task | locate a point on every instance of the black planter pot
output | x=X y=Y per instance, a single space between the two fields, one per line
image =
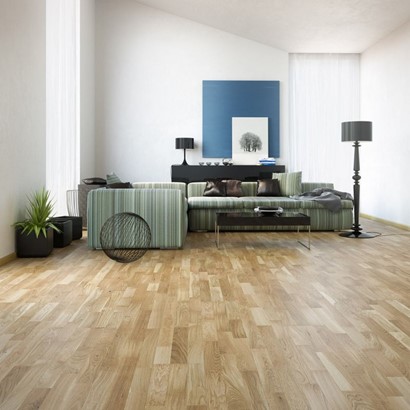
x=28 y=246
x=65 y=236
x=77 y=222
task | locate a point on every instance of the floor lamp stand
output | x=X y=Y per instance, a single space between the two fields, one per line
x=356 y=231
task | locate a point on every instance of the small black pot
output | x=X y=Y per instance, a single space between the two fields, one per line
x=28 y=246
x=65 y=236
x=77 y=224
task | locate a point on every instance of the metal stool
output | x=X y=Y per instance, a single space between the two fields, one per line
x=125 y=237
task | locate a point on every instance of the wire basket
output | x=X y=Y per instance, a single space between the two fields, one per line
x=125 y=237
x=72 y=202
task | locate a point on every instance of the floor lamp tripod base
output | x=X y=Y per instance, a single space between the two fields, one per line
x=358 y=235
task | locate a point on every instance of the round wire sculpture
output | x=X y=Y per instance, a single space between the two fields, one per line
x=125 y=237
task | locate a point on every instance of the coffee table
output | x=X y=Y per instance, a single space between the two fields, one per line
x=262 y=219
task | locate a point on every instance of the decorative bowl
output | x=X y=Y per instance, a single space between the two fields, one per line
x=209 y=163
x=216 y=163
x=201 y=162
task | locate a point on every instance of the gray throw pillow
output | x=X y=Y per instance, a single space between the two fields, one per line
x=113 y=178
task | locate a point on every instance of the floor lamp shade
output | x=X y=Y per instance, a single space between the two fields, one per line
x=356 y=131
x=184 y=143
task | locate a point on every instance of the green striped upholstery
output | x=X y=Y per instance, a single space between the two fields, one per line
x=201 y=213
x=249 y=188
x=215 y=202
x=161 y=185
x=252 y=202
x=165 y=211
x=310 y=186
x=196 y=189
x=290 y=182
x=113 y=178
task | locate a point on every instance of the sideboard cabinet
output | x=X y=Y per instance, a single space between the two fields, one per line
x=198 y=173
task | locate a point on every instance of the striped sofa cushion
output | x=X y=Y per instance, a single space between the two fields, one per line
x=290 y=182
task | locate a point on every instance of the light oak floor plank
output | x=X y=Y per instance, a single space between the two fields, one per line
x=261 y=323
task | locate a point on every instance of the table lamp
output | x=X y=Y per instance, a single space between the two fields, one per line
x=184 y=143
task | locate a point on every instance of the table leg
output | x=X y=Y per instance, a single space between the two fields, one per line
x=303 y=244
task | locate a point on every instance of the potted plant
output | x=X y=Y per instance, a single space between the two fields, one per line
x=34 y=235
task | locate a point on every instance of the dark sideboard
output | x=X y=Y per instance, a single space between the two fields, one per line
x=197 y=173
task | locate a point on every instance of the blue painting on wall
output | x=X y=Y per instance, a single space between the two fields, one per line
x=223 y=100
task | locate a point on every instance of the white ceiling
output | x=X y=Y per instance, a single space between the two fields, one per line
x=297 y=26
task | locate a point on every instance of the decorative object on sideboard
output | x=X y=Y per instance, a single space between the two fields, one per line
x=267 y=161
x=356 y=131
x=184 y=143
x=195 y=173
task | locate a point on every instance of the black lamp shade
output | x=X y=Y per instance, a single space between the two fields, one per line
x=184 y=143
x=357 y=131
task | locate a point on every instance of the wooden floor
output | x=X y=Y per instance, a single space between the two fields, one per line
x=261 y=323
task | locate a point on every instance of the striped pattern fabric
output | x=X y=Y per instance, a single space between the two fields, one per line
x=113 y=179
x=201 y=214
x=161 y=185
x=215 y=202
x=165 y=211
x=290 y=182
x=310 y=186
x=320 y=219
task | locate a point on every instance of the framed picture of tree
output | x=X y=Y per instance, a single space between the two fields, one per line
x=249 y=140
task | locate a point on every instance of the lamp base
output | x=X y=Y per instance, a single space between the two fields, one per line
x=358 y=235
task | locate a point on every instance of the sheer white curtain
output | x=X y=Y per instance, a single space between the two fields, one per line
x=62 y=106
x=324 y=90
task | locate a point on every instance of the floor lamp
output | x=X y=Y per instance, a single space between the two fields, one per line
x=184 y=143
x=356 y=131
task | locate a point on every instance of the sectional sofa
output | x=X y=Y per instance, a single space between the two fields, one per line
x=171 y=208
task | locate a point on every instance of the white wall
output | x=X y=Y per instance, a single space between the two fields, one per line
x=87 y=108
x=385 y=96
x=22 y=110
x=149 y=71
